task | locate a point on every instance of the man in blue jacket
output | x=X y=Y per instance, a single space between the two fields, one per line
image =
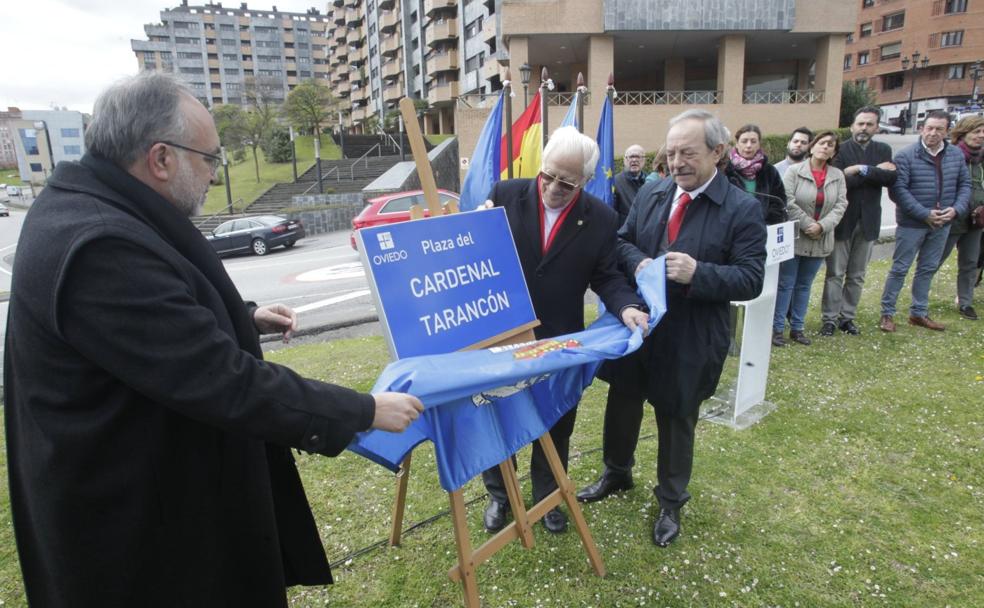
x=932 y=188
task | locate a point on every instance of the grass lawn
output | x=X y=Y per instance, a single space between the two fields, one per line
x=10 y=176
x=242 y=175
x=864 y=488
x=438 y=137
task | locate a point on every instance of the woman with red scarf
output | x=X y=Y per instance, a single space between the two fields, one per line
x=968 y=135
x=817 y=195
x=749 y=169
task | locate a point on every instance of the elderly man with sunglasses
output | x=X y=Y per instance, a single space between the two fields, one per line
x=566 y=242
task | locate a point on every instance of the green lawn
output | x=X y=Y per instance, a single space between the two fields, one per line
x=242 y=175
x=10 y=176
x=438 y=138
x=864 y=488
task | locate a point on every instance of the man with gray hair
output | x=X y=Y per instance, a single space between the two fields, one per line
x=148 y=442
x=565 y=239
x=713 y=236
x=628 y=182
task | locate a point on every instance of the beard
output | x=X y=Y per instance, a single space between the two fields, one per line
x=186 y=194
x=862 y=137
x=796 y=156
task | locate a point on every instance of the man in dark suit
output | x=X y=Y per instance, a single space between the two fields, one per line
x=713 y=235
x=566 y=242
x=628 y=182
x=868 y=167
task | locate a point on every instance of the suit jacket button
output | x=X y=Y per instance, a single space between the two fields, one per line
x=314 y=438
x=539 y=273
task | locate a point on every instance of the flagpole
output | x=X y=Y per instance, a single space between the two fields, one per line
x=507 y=91
x=581 y=90
x=544 y=77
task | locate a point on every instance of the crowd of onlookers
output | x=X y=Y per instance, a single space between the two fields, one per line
x=833 y=190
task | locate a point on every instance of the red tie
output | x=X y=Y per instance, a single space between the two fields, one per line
x=673 y=228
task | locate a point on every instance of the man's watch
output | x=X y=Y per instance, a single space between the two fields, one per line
x=864 y=170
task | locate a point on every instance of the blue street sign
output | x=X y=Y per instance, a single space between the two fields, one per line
x=447 y=282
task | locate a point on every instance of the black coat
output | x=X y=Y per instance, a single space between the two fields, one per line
x=680 y=362
x=625 y=193
x=769 y=190
x=146 y=437
x=582 y=255
x=864 y=192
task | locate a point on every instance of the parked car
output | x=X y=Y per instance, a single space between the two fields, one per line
x=258 y=234
x=884 y=127
x=4 y=212
x=394 y=208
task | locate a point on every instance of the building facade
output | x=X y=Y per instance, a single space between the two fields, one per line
x=41 y=139
x=946 y=38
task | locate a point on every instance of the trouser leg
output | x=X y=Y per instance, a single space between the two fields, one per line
x=855 y=270
x=623 y=421
x=926 y=265
x=833 y=282
x=543 y=479
x=968 y=250
x=907 y=242
x=675 y=459
x=495 y=485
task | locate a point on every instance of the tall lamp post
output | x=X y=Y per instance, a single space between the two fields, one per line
x=317 y=164
x=912 y=85
x=293 y=153
x=341 y=134
x=976 y=71
x=225 y=178
x=524 y=76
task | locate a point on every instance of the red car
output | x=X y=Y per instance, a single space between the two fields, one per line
x=394 y=208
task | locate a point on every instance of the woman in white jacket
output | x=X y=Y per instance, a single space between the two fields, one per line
x=817 y=197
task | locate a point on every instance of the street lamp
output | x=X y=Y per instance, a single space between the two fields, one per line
x=293 y=153
x=912 y=85
x=317 y=163
x=225 y=176
x=976 y=71
x=524 y=76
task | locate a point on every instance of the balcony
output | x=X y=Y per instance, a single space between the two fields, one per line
x=488 y=29
x=338 y=36
x=442 y=93
x=443 y=62
x=358 y=93
x=388 y=21
x=352 y=16
x=392 y=69
x=490 y=70
x=805 y=96
x=442 y=30
x=659 y=98
x=392 y=92
x=390 y=45
x=338 y=16
x=435 y=5
x=358 y=113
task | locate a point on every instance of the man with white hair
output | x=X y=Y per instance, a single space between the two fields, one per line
x=148 y=441
x=628 y=182
x=713 y=236
x=566 y=242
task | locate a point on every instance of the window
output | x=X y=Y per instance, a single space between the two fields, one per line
x=955 y=6
x=847 y=62
x=863 y=58
x=189 y=55
x=149 y=57
x=37 y=168
x=890 y=51
x=263 y=29
x=186 y=25
x=231 y=71
x=893 y=21
x=892 y=81
x=75 y=132
x=179 y=40
x=865 y=29
x=230 y=57
x=190 y=70
x=77 y=150
x=861 y=83
x=29 y=137
x=227 y=27
x=268 y=58
x=230 y=42
x=850 y=38
x=473 y=28
x=951 y=38
x=956 y=72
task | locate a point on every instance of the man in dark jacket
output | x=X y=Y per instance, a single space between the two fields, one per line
x=868 y=167
x=932 y=188
x=148 y=441
x=713 y=235
x=565 y=239
x=628 y=182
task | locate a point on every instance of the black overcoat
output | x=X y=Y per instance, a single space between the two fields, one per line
x=769 y=190
x=582 y=255
x=625 y=193
x=679 y=364
x=146 y=437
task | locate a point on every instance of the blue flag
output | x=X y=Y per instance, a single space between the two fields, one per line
x=602 y=184
x=570 y=119
x=500 y=399
x=485 y=167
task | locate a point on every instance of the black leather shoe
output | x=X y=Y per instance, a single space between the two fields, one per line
x=667 y=527
x=555 y=521
x=848 y=327
x=777 y=339
x=608 y=483
x=495 y=515
x=827 y=329
x=799 y=337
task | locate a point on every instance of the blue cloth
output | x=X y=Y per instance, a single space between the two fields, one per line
x=602 y=184
x=486 y=159
x=570 y=119
x=498 y=400
x=795 y=280
x=908 y=242
x=916 y=189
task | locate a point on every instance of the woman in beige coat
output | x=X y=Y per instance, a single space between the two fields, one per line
x=817 y=197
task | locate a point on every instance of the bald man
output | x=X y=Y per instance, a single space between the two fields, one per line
x=628 y=182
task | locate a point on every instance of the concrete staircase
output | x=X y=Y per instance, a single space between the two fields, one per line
x=357 y=145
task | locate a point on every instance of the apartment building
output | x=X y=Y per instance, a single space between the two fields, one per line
x=925 y=49
x=223 y=52
x=41 y=139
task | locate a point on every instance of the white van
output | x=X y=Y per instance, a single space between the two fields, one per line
x=13 y=191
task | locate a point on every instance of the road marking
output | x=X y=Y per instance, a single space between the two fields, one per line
x=323 y=303
x=8 y=247
x=251 y=265
x=352 y=270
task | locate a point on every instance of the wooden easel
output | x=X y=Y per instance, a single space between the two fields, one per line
x=523 y=519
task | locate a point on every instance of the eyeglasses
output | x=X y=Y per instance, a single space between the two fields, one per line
x=213 y=160
x=564 y=186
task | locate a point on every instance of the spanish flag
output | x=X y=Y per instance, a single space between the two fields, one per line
x=527 y=141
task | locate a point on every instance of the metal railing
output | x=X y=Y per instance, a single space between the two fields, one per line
x=392 y=139
x=365 y=158
x=478 y=100
x=566 y=99
x=783 y=97
x=334 y=170
x=223 y=211
x=660 y=98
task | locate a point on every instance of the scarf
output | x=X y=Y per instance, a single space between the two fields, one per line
x=748 y=168
x=973 y=156
x=146 y=205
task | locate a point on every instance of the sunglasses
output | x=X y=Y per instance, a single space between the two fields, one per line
x=213 y=159
x=564 y=186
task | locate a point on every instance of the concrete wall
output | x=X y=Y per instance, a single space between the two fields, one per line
x=699 y=14
x=403 y=176
x=343 y=207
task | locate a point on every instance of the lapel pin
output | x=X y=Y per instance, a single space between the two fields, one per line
x=580 y=222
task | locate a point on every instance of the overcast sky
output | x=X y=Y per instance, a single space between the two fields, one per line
x=63 y=52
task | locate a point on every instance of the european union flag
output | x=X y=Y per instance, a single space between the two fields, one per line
x=485 y=166
x=602 y=184
x=500 y=399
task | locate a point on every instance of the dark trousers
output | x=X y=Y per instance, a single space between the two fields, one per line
x=543 y=479
x=675 y=456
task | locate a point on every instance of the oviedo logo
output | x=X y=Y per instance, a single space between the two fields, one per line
x=487 y=397
x=387 y=245
x=386 y=241
x=779 y=236
x=528 y=350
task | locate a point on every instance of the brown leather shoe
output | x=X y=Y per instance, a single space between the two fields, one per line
x=887 y=323
x=927 y=323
